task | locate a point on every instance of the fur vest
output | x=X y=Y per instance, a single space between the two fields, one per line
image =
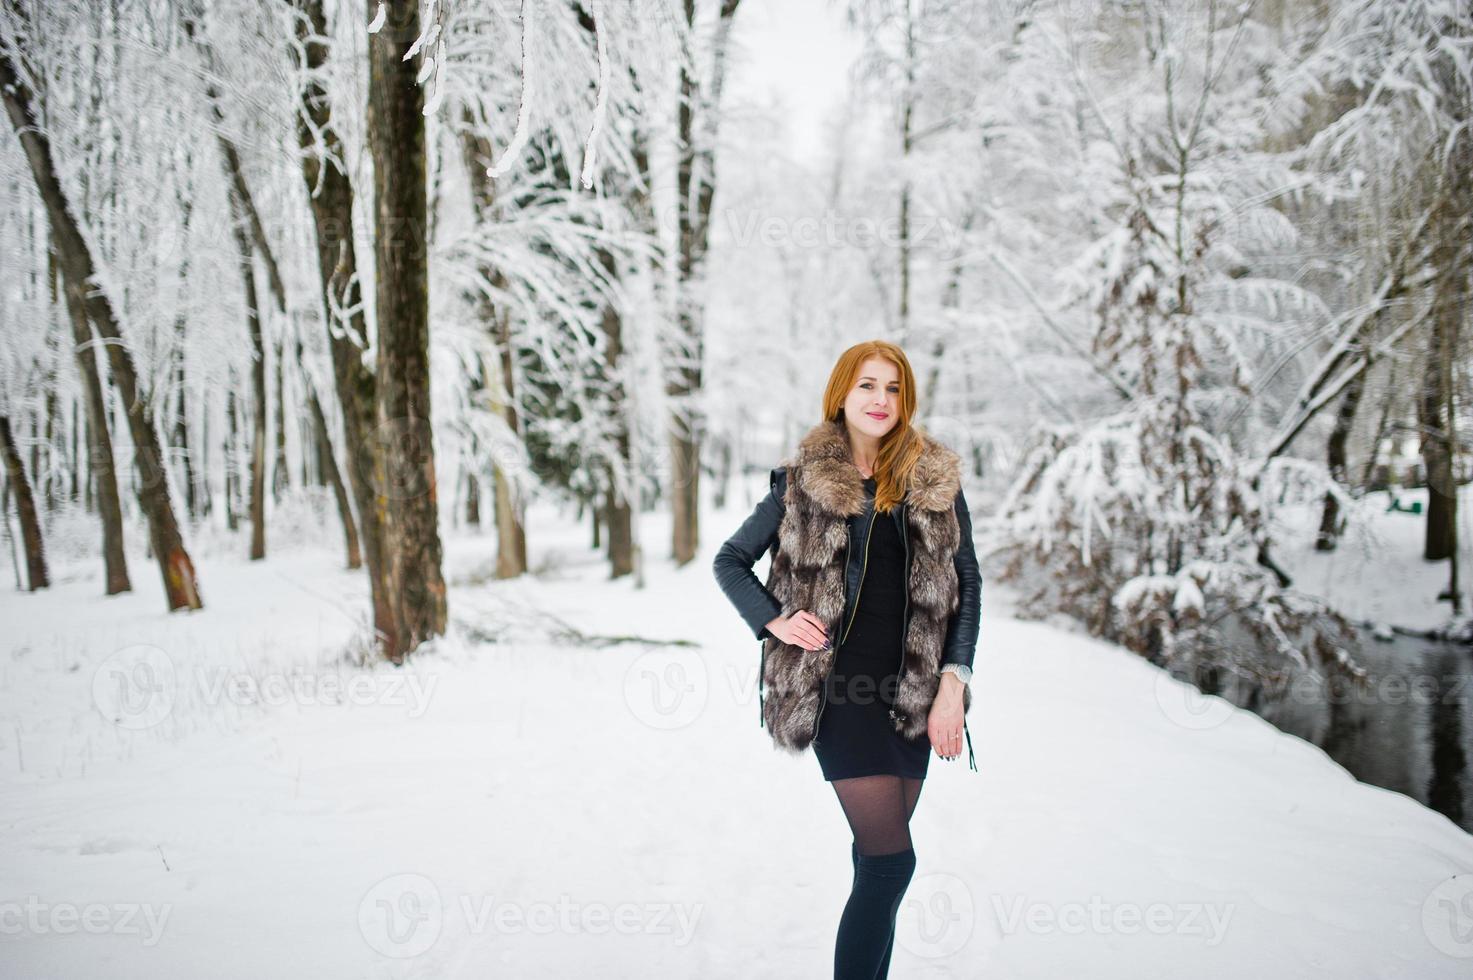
x=824 y=490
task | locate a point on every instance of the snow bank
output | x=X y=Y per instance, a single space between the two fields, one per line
x=534 y=808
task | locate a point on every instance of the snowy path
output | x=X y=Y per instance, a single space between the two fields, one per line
x=533 y=809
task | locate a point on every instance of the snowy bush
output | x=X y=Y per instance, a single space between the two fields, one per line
x=1149 y=532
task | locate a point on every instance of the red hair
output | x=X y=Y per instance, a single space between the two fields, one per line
x=902 y=445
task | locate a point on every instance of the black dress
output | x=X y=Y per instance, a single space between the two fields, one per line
x=856 y=736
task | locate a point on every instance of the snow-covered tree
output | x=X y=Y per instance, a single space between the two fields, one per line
x=1149 y=524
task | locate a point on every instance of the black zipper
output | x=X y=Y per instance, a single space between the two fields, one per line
x=905 y=616
x=869 y=532
x=823 y=692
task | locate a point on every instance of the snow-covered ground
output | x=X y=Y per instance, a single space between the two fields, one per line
x=541 y=806
x=1377 y=574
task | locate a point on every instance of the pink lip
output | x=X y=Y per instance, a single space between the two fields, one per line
x=875 y=415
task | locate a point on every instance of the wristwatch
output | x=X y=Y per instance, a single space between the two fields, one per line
x=962 y=671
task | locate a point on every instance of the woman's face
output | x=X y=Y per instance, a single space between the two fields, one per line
x=873 y=404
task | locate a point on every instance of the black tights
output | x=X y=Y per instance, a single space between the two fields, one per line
x=878 y=809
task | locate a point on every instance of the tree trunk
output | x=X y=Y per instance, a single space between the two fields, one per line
x=181 y=588
x=49 y=483
x=1436 y=452
x=205 y=467
x=99 y=449
x=907 y=113
x=407 y=491
x=1329 y=534
x=179 y=436
x=683 y=356
x=331 y=196
x=280 y=473
x=25 y=507
x=511 y=532
x=1368 y=476
x=1435 y=404
x=1454 y=266
x=696 y=189
x=950 y=303
x=258 y=380
x=244 y=215
x=1454 y=584
x=642 y=207
x=617 y=512
x=327 y=460
x=232 y=455
x=331 y=475
x=63 y=440
x=75 y=443
x=472 y=499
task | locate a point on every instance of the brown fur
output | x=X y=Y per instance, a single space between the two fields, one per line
x=824 y=488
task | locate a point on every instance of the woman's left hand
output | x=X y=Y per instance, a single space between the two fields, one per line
x=944 y=723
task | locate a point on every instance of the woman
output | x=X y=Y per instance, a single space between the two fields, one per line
x=869 y=621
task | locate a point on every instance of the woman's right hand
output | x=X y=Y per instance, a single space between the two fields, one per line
x=802 y=629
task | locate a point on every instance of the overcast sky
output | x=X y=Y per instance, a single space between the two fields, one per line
x=793 y=53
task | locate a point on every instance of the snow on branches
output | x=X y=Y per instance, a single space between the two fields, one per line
x=1147 y=528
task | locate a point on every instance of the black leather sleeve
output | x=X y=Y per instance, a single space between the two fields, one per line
x=734 y=561
x=961 y=633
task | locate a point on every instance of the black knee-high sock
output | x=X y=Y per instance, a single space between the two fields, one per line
x=868 y=922
x=884 y=969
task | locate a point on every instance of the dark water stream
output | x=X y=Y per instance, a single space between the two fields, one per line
x=1408 y=727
